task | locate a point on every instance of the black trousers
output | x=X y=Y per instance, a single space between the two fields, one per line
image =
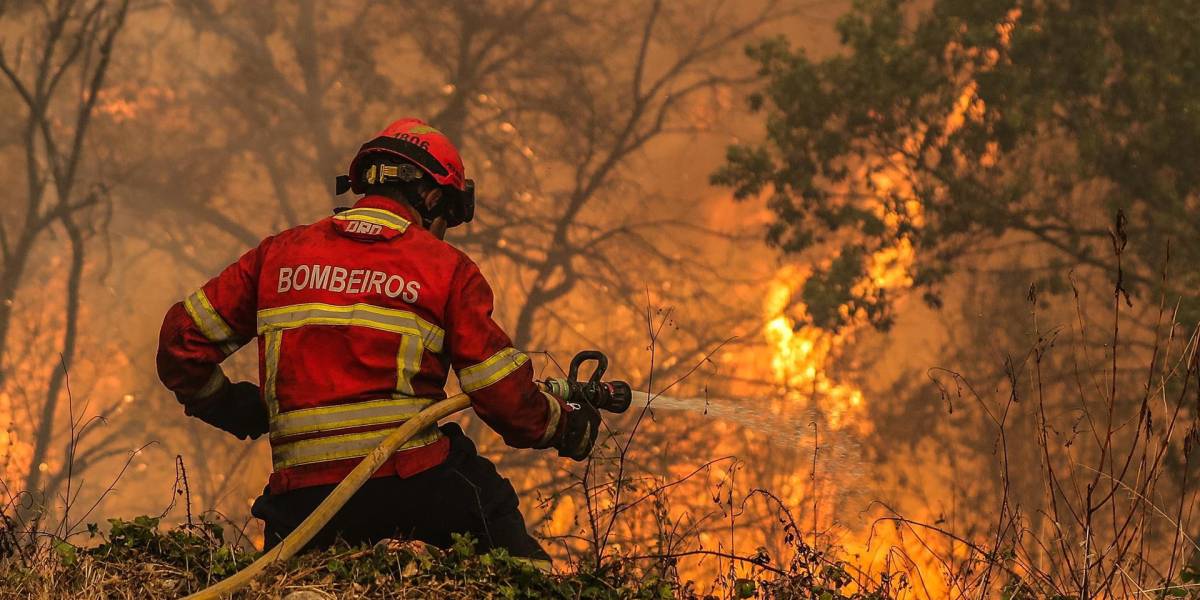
x=465 y=494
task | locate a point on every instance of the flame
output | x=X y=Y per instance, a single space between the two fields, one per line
x=803 y=357
x=803 y=361
x=14 y=451
x=127 y=102
x=802 y=354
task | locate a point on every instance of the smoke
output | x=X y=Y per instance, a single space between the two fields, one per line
x=221 y=123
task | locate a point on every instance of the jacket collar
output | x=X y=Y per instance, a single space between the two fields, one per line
x=387 y=204
x=373 y=217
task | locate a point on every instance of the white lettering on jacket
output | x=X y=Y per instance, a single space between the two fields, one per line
x=342 y=281
x=363 y=227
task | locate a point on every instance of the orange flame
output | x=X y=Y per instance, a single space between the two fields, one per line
x=802 y=354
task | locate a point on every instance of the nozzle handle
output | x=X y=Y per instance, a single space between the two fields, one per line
x=612 y=396
x=582 y=357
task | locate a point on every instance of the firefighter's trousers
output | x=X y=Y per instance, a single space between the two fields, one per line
x=464 y=494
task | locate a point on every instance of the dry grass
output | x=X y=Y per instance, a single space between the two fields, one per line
x=135 y=560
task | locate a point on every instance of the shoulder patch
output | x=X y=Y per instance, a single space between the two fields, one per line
x=371 y=224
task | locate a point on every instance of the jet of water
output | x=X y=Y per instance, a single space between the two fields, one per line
x=790 y=430
x=790 y=427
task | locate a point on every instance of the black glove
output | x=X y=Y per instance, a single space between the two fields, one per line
x=577 y=426
x=236 y=408
x=577 y=431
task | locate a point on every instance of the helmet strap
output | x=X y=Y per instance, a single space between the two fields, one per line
x=429 y=215
x=384 y=173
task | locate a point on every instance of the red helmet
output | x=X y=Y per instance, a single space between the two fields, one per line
x=420 y=144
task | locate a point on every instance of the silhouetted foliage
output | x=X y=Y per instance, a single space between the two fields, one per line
x=1007 y=118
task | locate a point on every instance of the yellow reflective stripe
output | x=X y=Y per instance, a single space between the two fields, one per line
x=271 y=342
x=416 y=335
x=479 y=376
x=375 y=215
x=206 y=317
x=215 y=382
x=340 y=447
x=384 y=217
x=380 y=222
x=432 y=336
x=360 y=315
x=209 y=321
x=408 y=363
x=553 y=414
x=342 y=416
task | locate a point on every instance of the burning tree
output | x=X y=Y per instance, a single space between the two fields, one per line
x=987 y=146
x=1005 y=120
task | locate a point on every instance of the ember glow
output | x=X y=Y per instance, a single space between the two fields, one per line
x=13 y=450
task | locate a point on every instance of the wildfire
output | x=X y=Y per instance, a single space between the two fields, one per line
x=803 y=357
x=803 y=354
x=803 y=361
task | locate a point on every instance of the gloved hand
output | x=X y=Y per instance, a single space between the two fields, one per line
x=237 y=408
x=578 y=425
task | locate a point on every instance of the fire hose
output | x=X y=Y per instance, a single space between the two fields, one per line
x=612 y=396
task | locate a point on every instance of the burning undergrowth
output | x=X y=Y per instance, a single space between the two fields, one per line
x=1093 y=497
x=137 y=559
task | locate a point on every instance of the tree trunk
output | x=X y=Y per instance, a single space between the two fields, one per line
x=59 y=372
x=10 y=280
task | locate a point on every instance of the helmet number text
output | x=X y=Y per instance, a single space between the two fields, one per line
x=412 y=139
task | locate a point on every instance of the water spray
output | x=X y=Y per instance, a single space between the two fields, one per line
x=783 y=430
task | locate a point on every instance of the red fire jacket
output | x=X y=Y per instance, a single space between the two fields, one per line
x=358 y=318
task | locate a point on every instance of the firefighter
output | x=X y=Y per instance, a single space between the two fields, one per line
x=359 y=318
